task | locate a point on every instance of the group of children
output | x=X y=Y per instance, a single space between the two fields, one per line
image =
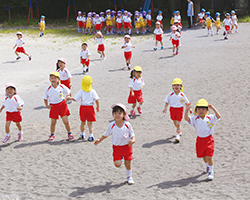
x=112 y=22
x=229 y=22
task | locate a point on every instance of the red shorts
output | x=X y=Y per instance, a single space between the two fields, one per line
x=160 y=22
x=103 y=24
x=149 y=23
x=205 y=146
x=59 y=109
x=129 y=25
x=14 y=116
x=84 y=24
x=176 y=113
x=20 y=50
x=66 y=83
x=128 y=55
x=227 y=28
x=126 y=24
x=200 y=20
x=98 y=27
x=175 y=42
x=137 y=97
x=119 y=25
x=101 y=47
x=84 y=62
x=125 y=151
x=87 y=113
x=79 y=24
x=158 y=38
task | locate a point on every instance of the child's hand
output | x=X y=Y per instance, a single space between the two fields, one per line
x=188 y=107
x=96 y=142
x=133 y=46
x=210 y=106
x=131 y=142
x=97 y=109
x=48 y=106
x=19 y=108
x=132 y=93
x=165 y=110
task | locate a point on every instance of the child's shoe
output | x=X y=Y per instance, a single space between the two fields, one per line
x=82 y=137
x=20 y=136
x=18 y=57
x=162 y=47
x=178 y=138
x=236 y=31
x=217 y=33
x=139 y=110
x=203 y=27
x=132 y=112
x=130 y=180
x=91 y=139
x=155 y=48
x=29 y=57
x=6 y=139
x=176 y=53
x=207 y=169
x=225 y=38
x=210 y=176
x=71 y=137
x=224 y=33
x=51 y=138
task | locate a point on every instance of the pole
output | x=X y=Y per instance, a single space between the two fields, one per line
x=75 y=8
x=68 y=11
x=115 y=6
x=9 y=14
x=121 y=4
x=152 y=9
x=37 y=10
x=31 y=9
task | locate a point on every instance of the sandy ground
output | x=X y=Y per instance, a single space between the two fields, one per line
x=210 y=68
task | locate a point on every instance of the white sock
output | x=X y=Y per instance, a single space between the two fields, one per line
x=133 y=108
x=129 y=65
x=129 y=173
x=207 y=164
x=129 y=31
x=208 y=31
x=20 y=132
x=226 y=34
x=7 y=134
x=211 y=168
x=140 y=105
x=212 y=31
x=82 y=133
x=91 y=135
x=236 y=29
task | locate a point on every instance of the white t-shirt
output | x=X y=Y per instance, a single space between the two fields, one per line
x=120 y=136
x=19 y=42
x=227 y=22
x=85 y=54
x=204 y=127
x=174 y=35
x=158 y=31
x=103 y=19
x=87 y=98
x=176 y=101
x=159 y=17
x=79 y=18
x=94 y=20
x=128 y=48
x=56 y=95
x=201 y=15
x=99 y=40
x=83 y=19
x=12 y=104
x=65 y=74
x=178 y=17
x=98 y=21
x=234 y=19
x=148 y=17
x=136 y=84
x=119 y=20
x=125 y=18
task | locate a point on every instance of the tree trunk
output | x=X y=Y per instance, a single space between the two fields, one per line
x=197 y=7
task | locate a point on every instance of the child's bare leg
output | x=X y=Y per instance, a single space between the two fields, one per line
x=26 y=54
x=82 y=126
x=134 y=105
x=128 y=164
x=7 y=127
x=103 y=54
x=161 y=43
x=16 y=53
x=118 y=163
x=18 y=124
x=156 y=42
x=53 y=126
x=90 y=125
x=210 y=160
x=66 y=123
x=99 y=52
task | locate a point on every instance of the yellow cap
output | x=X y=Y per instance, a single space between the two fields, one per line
x=86 y=83
x=177 y=81
x=138 y=69
x=201 y=103
x=55 y=74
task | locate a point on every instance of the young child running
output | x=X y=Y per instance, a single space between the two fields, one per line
x=65 y=75
x=149 y=21
x=99 y=38
x=42 y=25
x=204 y=125
x=136 y=84
x=234 y=21
x=209 y=21
x=19 y=44
x=84 y=57
x=158 y=32
x=227 y=22
x=176 y=100
x=159 y=18
x=200 y=18
x=123 y=138
x=87 y=112
x=217 y=23
x=127 y=46
x=13 y=104
x=175 y=37
x=54 y=99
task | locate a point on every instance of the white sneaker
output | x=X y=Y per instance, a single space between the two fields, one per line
x=130 y=181
x=178 y=138
x=210 y=176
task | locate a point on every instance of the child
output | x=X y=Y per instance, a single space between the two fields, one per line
x=65 y=75
x=99 y=38
x=42 y=25
x=176 y=99
x=234 y=21
x=227 y=22
x=209 y=21
x=149 y=20
x=136 y=84
x=217 y=23
x=127 y=46
x=137 y=23
x=89 y=23
x=102 y=20
x=108 y=21
x=79 y=21
x=173 y=18
x=160 y=18
x=88 y=96
x=178 y=16
x=175 y=37
x=19 y=44
x=200 y=18
x=54 y=99
x=84 y=57
x=204 y=125
x=83 y=22
x=123 y=138
x=125 y=20
x=13 y=104
x=98 y=23
x=143 y=24
x=119 y=23
x=158 y=35
x=129 y=23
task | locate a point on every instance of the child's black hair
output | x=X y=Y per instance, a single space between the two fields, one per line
x=118 y=108
x=57 y=66
x=200 y=107
x=132 y=74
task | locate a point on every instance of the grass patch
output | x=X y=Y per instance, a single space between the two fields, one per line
x=244 y=19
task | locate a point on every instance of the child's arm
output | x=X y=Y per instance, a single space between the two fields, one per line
x=131 y=141
x=188 y=108
x=46 y=104
x=70 y=80
x=170 y=38
x=132 y=91
x=80 y=59
x=2 y=108
x=97 y=105
x=154 y=36
x=165 y=108
x=99 y=140
x=19 y=108
x=215 y=111
x=124 y=46
x=87 y=58
x=70 y=98
x=14 y=46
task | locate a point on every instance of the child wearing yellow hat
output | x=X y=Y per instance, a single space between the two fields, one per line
x=176 y=100
x=88 y=97
x=54 y=99
x=204 y=125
